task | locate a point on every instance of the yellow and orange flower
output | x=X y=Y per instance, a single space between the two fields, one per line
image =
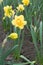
x=8 y=11
x=13 y=36
x=26 y=2
x=20 y=7
x=19 y=21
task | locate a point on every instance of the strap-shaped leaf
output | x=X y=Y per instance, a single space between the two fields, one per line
x=41 y=35
x=41 y=32
x=23 y=57
x=33 y=34
x=34 y=40
x=9 y=52
x=20 y=63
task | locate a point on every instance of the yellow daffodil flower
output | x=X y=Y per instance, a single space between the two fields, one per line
x=20 y=7
x=19 y=21
x=8 y=11
x=13 y=36
x=26 y=2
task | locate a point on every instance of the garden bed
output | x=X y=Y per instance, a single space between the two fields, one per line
x=21 y=24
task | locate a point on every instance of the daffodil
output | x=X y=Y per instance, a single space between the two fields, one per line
x=13 y=36
x=8 y=11
x=26 y=2
x=20 y=7
x=19 y=22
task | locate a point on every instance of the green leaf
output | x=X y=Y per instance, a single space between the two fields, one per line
x=33 y=35
x=41 y=36
x=41 y=32
x=23 y=57
x=34 y=40
x=9 y=52
x=20 y=63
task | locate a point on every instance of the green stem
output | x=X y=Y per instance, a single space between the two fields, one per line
x=41 y=37
x=22 y=40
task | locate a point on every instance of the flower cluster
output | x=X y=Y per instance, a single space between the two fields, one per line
x=21 y=6
x=17 y=20
x=8 y=11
